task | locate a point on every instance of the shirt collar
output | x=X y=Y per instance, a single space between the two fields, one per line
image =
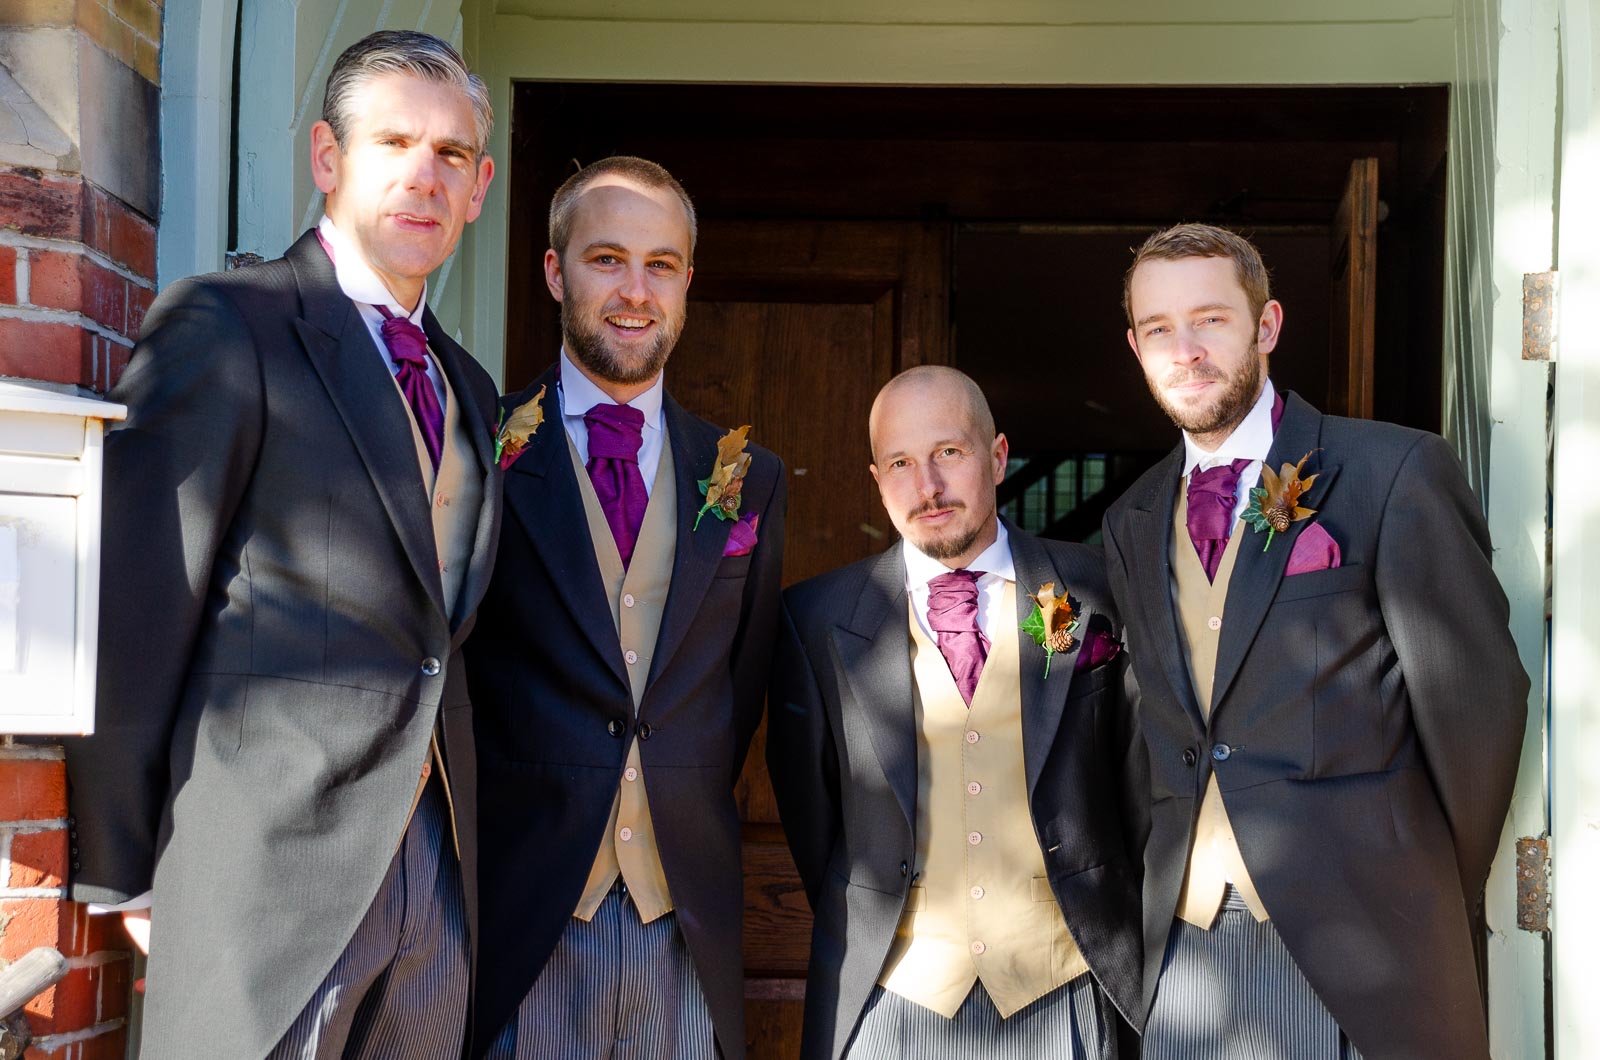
x=922 y=568
x=356 y=278
x=579 y=394
x=1251 y=440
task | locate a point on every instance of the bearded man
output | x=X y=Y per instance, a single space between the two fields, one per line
x=1332 y=703
x=620 y=661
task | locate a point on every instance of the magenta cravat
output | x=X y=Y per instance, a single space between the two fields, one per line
x=615 y=434
x=953 y=617
x=1212 y=494
x=409 y=348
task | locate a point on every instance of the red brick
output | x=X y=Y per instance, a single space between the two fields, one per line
x=100 y=933
x=27 y=923
x=32 y=789
x=116 y=985
x=53 y=279
x=120 y=356
x=56 y=353
x=67 y=1006
x=39 y=859
x=139 y=300
x=8 y=275
x=63 y=280
x=39 y=205
x=112 y=1045
x=119 y=232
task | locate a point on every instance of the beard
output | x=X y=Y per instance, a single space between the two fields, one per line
x=587 y=343
x=1227 y=410
x=950 y=545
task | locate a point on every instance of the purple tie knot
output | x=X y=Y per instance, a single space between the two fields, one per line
x=408 y=345
x=1212 y=495
x=953 y=617
x=615 y=432
x=405 y=340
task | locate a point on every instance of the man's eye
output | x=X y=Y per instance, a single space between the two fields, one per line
x=950 y=451
x=606 y=259
x=1154 y=331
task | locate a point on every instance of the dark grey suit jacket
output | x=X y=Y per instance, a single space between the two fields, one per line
x=555 y=717
x=842 y=752
x=274 y=646
x=1374 y=717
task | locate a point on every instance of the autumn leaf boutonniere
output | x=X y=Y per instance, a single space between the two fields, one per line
x=1276 y=502
x=723 y=488
x=1052 y=623
x=517 y=429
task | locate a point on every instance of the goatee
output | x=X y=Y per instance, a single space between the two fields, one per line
x=1238 y=396
x=588 y=344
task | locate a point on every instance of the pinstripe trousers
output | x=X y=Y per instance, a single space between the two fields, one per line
x=399 y=990
x=1235 y=993
x=614 y=988
x=1069 y=1023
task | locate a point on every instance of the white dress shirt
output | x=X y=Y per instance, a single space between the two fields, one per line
x=578 y=394
x=994 y=562
x=363 y=287
x=1251 y=441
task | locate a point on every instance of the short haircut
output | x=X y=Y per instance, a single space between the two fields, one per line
x=934 y=375
x=638 y=170
x=1203 y=241
x=400 y=51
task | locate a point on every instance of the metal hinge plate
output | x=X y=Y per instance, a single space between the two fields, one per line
x=1533 y=884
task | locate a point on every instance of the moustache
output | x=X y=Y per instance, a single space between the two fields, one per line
x=1198 y=374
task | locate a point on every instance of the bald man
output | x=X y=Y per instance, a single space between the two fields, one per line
x=964 y=804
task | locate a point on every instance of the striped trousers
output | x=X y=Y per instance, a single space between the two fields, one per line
x=614 y=988
x=1235 y=993
x=400 y=989
x=1069 y=1023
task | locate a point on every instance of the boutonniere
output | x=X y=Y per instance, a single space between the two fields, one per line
x=723 y=487
x=517 y=429
x=1275 y=503
x=1052 y=623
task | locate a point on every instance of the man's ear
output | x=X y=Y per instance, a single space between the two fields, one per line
x=325 y=158
x=1270 y=326
x=1001 y=452
x=552 y=274
x=480 y=188
x=1133 y=344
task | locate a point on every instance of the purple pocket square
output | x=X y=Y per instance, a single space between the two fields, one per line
x=1099 y=648
x=742 y=536
x=1315 y=549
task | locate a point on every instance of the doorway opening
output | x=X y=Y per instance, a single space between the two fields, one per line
x=847 y=233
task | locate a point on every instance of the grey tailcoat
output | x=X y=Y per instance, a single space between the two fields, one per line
x=1373 y=719
x=274 y=645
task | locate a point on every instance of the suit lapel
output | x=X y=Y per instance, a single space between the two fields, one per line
x=342 y=351
x=873 y=655
x=1150 y=524
x=542 y=490
x=480 y=424
x=699 y=551
x=1257 y=573
x=1043 y=699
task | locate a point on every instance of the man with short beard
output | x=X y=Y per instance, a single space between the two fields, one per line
x=1332 y=703
x=620 y=660
x=965 y=801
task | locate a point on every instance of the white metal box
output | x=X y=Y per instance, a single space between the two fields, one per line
x=50 y=460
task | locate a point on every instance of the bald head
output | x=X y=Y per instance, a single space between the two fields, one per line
x=937 y=461
x=933 y=385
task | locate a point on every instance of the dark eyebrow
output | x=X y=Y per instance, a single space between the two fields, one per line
x=449 y=141
x=603 y=244
x=1152 y=318
x=1212 y=308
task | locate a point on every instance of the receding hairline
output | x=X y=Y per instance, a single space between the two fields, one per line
x=938 y=377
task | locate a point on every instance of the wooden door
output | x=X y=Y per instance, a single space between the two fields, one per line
x=793 y=327
x=1354 y=272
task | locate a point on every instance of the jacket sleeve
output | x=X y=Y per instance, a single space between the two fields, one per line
x=758 y=625
x=175 y=472
x=802 y=760
x=1447 y=618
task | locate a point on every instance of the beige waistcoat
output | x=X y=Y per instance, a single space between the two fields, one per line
x=455 y=496
x=1214 y=859
x=637 y=597
x=980 y=906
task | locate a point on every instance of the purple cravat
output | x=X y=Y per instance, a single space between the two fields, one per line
x=1212 y=494
x=615 y=434
x=409 y=348
x=953 y=617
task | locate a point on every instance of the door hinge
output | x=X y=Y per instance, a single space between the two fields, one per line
x=1533 y=884
x=1540 y=292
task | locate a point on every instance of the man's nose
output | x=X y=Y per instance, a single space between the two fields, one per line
x=424 y=169
x=929 y=482
x=635 y=288
x=1188 y=349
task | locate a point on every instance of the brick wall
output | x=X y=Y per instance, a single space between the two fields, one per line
x=79 y=173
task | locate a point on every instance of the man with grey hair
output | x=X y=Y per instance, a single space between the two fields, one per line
x=301 y=512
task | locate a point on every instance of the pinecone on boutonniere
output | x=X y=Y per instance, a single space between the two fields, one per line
x=723 y=488
x=517 y=429
x=1275 y=503
x=1052 y=623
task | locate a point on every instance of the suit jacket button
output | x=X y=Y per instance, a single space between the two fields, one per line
x=904 y=869
x=430 y=666
x=1188 y=756
x=1221 y=752
x=616 y=727
x=644 y=730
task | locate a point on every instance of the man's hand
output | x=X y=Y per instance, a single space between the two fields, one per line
x=137 y=924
